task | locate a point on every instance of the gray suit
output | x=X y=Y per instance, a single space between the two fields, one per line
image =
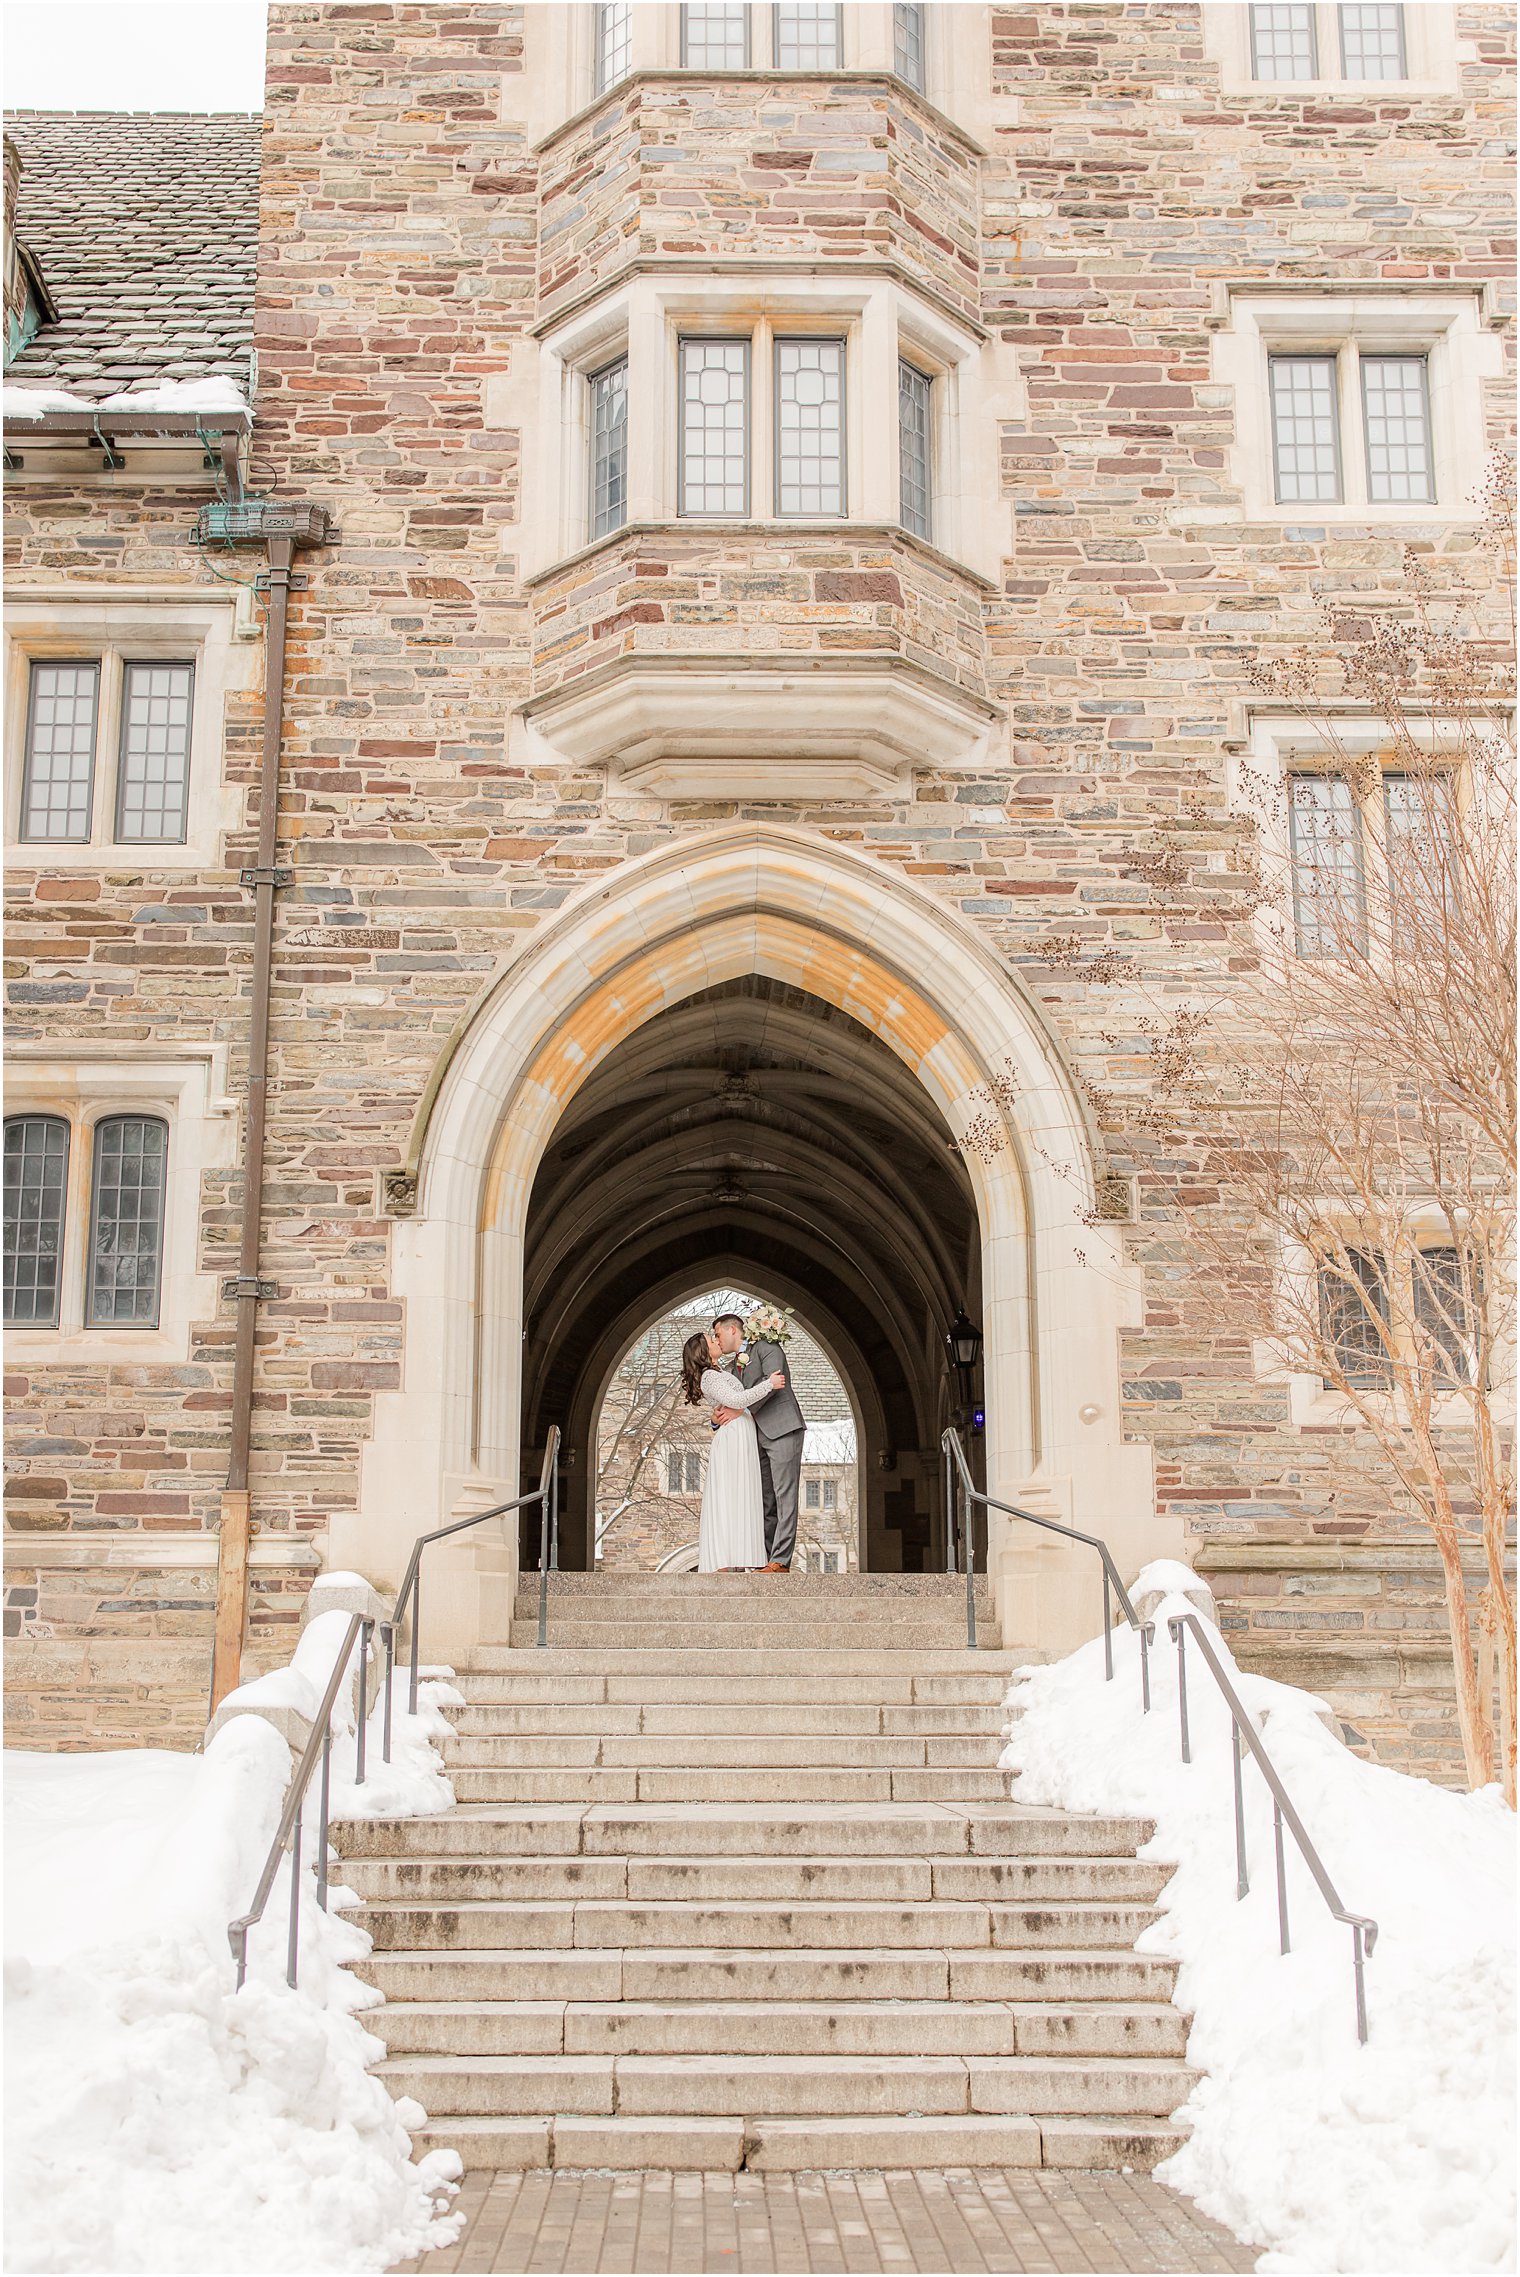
x=780 y=1429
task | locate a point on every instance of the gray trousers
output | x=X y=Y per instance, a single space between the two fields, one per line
x=780 y=1478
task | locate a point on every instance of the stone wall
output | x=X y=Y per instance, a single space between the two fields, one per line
x=405 y=244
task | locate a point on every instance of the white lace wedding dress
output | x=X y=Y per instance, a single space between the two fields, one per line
x=732 y=1532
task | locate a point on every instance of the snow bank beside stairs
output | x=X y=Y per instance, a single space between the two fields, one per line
x=158 y=2120
x=1397 y=2156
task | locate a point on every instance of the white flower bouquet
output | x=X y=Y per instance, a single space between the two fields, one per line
x=770 y=1325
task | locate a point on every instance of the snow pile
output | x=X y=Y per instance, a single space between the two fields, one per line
x=164 y=395
x=158 y=2119
x=1394 y=2156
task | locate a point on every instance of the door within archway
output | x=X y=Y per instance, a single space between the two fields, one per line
x=756 y=1134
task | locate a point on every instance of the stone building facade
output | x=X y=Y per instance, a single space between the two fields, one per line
x=806 y=500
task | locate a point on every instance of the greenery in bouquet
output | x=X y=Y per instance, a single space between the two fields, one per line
x=770 y=1325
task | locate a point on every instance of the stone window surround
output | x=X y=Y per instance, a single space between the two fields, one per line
x=122 y=624
x=1446 y=328
x=83 y=1087
x=1280 y=744
x=1432 y=56
x=559 y=64
x=878 y=317
x=1315 y=1405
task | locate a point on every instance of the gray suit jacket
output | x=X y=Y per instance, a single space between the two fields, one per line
x=776 y=1416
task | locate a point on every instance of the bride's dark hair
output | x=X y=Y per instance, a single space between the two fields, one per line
x=694 y=1358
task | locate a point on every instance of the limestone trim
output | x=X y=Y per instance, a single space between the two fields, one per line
x=1447 y=328
x=559 y=67
x=1433 y=56
x=701 y=911
x=189 y=1091
x=877 y=316
x=118 y=626
x=832 y=730
x=160 y=1553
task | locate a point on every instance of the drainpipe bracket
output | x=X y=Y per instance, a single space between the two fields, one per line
x=240 y=1285
x=256 y=877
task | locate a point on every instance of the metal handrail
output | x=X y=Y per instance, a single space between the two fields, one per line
x=955 y=1454
x=410 y=1593
x=1364 y=1931
x=289 y=1828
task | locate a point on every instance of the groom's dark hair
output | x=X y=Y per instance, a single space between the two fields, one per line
x=733 y=1316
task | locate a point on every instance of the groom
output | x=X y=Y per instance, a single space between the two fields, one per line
x=780 y=1429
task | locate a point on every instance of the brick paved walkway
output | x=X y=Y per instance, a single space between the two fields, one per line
x=960 y=2220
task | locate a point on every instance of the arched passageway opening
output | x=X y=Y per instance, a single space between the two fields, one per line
x=755 y=1134
x=650 y=1447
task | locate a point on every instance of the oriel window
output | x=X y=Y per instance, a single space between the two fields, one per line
x=609 y=448
x=810 y=442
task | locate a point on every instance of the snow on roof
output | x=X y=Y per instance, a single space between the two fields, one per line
x=219 y=394
x=830 y=1442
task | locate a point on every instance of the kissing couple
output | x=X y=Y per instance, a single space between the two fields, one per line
x=749 y=1503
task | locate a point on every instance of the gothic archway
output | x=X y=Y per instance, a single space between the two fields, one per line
x=711 y=913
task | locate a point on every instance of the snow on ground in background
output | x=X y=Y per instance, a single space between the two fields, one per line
x=158 y=2120
x=1397 y=2156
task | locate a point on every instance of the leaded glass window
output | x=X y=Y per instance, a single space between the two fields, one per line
x=1396 y=417
x=914 y=401
x=1282 y=43
x=810 y=477
x=1325 y=840
x=1444 y=1289
x=1305 y=433
x=609 y=448
x=127 y=1222
x=808 y=37
x=714 y=427
x=1353 y=1308
x=36 y=1177
x=715 y=36
x=153 y=780
x=1372 y=43
x=1419 y=819
x=614 y=44
x=908 y=44
x=59 y=777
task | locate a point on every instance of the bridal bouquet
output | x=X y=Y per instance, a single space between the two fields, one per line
x=770 y=1325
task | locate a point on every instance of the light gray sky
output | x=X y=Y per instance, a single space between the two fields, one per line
x=134 y=55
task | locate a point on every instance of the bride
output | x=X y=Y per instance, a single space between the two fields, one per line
x=732 y=1533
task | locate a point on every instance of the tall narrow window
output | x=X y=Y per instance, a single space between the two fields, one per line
x=609 y=448
x=1305 y=435
x=715 y=36
x=1354 y=1316
x=908 y=44
x=714 y=432
x=1282 y=43
x=810 y=475
x=36 y=1173
x=614 y=44
x=127 y=1222
x=1396 y=416
x=1325 y=839
x=1372 y=43
x=59 y=778
x=1419 y=820
x=914 y=399
x=808 y=37
x=153 y=778
x=1444 y=1289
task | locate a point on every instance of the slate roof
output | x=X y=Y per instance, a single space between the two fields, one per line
x=145 y=228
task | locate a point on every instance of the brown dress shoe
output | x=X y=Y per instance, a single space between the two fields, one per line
x=774 y=1568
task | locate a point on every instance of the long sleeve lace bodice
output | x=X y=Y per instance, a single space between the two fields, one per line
x=724 y=1390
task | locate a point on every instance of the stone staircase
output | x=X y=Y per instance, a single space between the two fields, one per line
x=734 y=1881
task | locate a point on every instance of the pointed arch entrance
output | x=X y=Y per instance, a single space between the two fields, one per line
x=745 y=916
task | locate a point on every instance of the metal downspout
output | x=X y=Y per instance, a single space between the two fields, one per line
x=236 y=1513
